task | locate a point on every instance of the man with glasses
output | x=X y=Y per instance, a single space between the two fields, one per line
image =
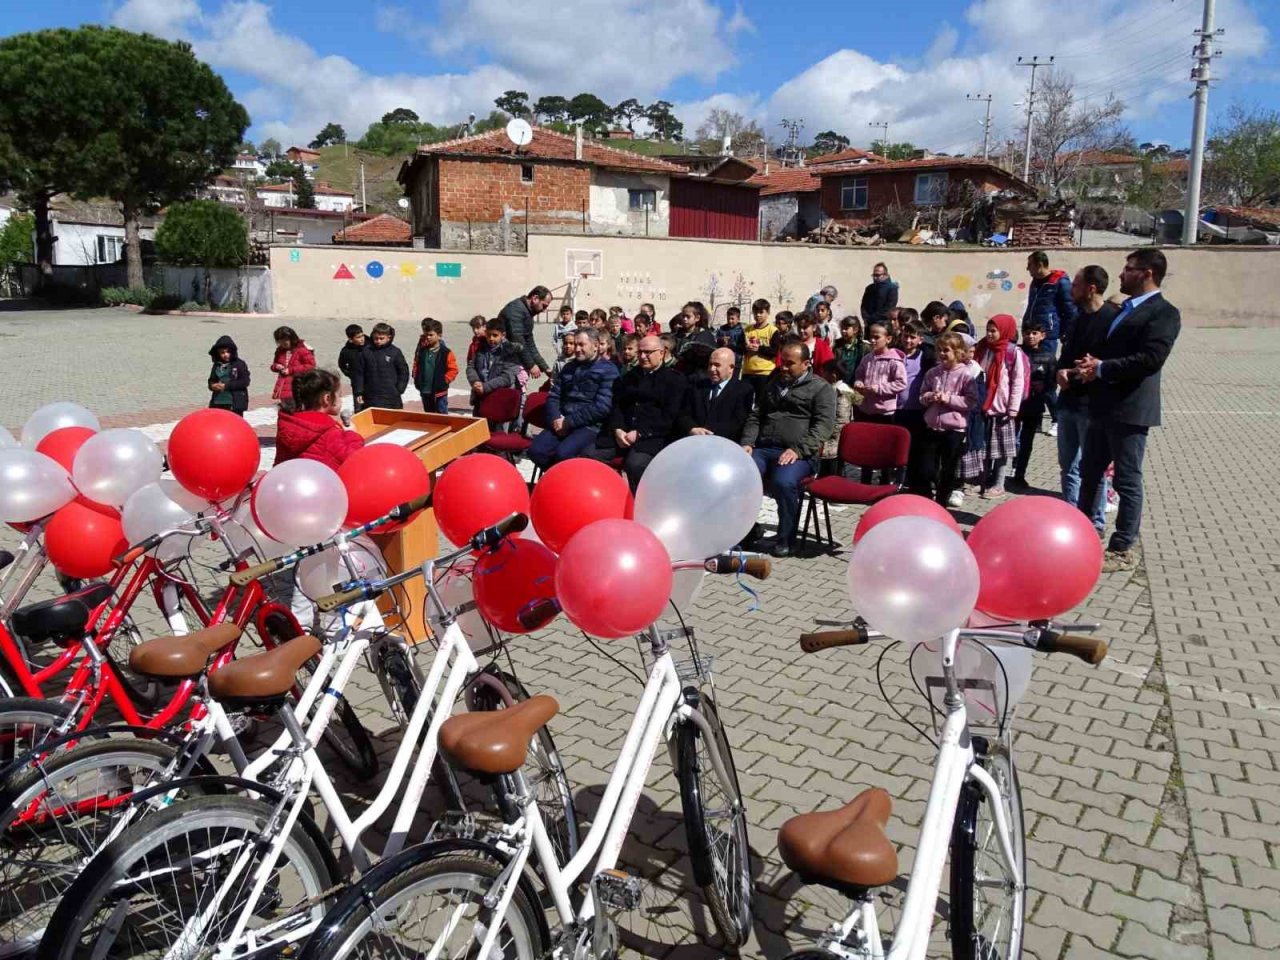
x=648 y=402
x=880 y=296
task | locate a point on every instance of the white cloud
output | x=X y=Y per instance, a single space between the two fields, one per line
x=170 y=19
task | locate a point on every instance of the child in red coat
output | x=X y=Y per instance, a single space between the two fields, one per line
x=292 y=358
x=314 y=431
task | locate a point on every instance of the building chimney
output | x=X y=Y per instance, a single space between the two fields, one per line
x=577 y=142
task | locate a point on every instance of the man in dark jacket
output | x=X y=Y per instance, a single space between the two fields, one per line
x=382 y=375
x=647 y=404
x=1121 y=369
x=1049 y=303
x=518 y=317
x=718 y=405
x=349 y=355
x=578 y=403
x=796 y=415
x=880 y=296
x=229 y=378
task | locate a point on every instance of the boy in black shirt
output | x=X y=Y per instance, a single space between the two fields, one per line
x=1043 y=370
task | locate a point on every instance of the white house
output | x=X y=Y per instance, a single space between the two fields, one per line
x=327 y=198
x=90 y=232
x=247 y=165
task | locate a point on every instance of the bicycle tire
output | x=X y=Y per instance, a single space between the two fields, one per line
x=719 y=849
x=350 y=930
x=974 y=845
x=24 y=723
x=132 y=866
x=54 y=819
x=544 y=771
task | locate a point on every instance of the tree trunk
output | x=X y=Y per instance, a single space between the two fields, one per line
x=133 y=246
x=44 y=240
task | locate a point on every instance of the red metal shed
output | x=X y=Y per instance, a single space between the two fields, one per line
x=714 y=210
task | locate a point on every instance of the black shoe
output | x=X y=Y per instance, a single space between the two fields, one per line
x=781 y=549
x=753 y=537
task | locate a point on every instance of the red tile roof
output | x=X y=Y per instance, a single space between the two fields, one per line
x=1269 y=216
x=304 y=151
x=844 y=156
x=1174 y=166
x=382 y=229
x=787 y=180
x=1095 y=158
x=548 y=145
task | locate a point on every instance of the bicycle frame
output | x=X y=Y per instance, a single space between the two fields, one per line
x=954 y=766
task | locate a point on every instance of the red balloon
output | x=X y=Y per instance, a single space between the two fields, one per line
x=903 y=505
x=476 y=491
x=62 y=444
x=83 y=539
x=507 y=580
x=575 y=493
x=613 y=578
x=1038 y=557
x=379 y=477
x=213 y=453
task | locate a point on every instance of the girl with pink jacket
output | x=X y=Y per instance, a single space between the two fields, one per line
x=880 y=378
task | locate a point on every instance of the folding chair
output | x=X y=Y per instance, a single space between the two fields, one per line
x=871 y=446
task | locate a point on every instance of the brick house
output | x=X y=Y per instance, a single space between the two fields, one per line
x=856 y=194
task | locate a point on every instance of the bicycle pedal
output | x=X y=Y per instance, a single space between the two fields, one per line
x=616 y=890
x=455 y=826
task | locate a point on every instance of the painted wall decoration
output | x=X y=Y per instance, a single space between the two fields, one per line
x=408 y=270
x=374 y=269
x=295 y=256
x=343 y=273
x=449 y=271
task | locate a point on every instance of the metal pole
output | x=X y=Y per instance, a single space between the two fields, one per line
x=885 y=127
x=1200 y=74
x=364 y=197
x=986 y=124
x=1033 y=63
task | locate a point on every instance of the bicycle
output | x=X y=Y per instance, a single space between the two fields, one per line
x=974 y=810
x=271 y=875
x=480 y=881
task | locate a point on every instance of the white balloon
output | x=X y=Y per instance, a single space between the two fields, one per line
x=152 y=509
x=686 y=585
x=700 y=496
x=55 y=416
x=300 y=502
x=318 y=575
x=243 y=533
x=6 y=439
x=110 y=466
x=456 y=590
x=31 y=486
x=913 y=578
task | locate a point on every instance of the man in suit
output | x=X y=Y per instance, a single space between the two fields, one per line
x=1120 y=367
x=719 y=405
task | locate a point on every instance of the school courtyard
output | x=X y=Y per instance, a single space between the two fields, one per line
x=1151 y=783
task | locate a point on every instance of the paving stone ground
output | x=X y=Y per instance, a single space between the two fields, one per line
x=1151 y=783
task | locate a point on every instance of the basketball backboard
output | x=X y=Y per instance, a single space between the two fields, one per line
x=583 y=264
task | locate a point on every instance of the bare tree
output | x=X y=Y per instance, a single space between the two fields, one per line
x=745 y=136
x=1065 y=128
x=1244 y=158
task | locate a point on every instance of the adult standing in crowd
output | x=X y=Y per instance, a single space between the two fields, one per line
x=580 y=399
x=1121 y=367
x=795 y=415
x=826 y=295
x=880 y=296
x=1092 y=313
x=647 y=404
x=519 y=317
x=719 y=405
x=1049 y=302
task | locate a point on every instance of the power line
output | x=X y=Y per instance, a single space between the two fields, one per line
x=885 y=127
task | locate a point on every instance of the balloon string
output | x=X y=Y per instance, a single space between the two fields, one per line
x=742 y=584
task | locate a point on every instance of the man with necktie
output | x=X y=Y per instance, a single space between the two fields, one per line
x=1121 y=367
x=719 y=405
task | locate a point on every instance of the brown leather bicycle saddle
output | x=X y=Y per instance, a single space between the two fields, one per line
x=266 y=675
x=842 y=848
x=179 y=657
x=496 y=741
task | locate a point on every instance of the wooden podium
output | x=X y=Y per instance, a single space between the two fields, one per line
x=436 y=439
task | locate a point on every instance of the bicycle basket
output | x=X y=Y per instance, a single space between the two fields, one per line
x=992 y=680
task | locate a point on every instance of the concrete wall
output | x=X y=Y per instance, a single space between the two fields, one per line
x=1220 y=286
x=610 y=204
x=779 y=215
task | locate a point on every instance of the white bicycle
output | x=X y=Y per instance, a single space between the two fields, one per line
x=468 y=895
x=221 y=875
x=974 y=811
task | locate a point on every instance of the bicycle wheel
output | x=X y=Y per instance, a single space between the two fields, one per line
x=25 y=722
x=158 y=889
x=715 y=820
x=987 y=901
x=543 y=769
x=428 y=907
x=54 y=819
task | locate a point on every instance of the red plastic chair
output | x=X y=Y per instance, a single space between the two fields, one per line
x=502 y=408
x=535 y=415
x=871 y=446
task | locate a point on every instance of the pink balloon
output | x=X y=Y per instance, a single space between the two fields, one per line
x=613 y=578
x=903 y=505
x=1038 y=557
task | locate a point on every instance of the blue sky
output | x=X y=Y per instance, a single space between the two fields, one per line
x=838 y=64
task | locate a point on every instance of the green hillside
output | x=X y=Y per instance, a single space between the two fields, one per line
x=340 y=168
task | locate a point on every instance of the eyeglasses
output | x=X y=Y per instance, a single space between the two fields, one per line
x=649 y=353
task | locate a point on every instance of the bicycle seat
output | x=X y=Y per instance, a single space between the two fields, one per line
x=842 y=848
x=181 y=657
x=496 y=741
x=264 y=676
x=6 y=558
x=61 y=619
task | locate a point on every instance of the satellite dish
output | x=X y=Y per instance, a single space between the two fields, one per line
x=404 y=203
x=519 y=132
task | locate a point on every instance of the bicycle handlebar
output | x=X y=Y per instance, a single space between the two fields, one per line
x=539 y=613
x=137 y=550
x=335 y=600
x=753 y=566
x=1038 y=636
x=825 y=639
x=1092 y=650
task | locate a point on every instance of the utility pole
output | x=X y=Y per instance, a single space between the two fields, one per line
x=1204 y=54
x=793 y=128
x=884 y=137
x=364 y=197
x=986 y=124
x=1033 y=63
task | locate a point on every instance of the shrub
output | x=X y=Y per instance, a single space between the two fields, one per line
x=206 y=233
x=193 y=306
x=138 y=296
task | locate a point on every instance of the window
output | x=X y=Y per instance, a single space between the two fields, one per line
x=526 y=173
x=109 y=248
x=931 y=188
x=853 y=194
x=642 y=199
